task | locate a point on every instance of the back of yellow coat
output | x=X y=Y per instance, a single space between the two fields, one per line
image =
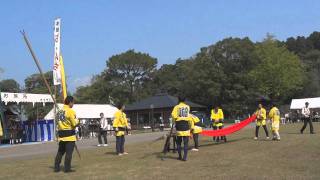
x=120 y=121
x=67 y=125
x=181 y=117
x=217 y=116
x=274 y=114
x=195 y=120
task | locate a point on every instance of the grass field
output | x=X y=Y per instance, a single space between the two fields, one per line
x=296 y=156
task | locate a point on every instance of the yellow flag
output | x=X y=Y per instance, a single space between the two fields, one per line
x=1 y=132
x=63 y=79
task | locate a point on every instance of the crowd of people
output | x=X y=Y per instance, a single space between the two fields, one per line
x=16 y=132
x=186 y=125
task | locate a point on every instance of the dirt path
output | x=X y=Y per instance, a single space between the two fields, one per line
x=28 y=151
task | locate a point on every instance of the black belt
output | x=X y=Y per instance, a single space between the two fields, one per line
x=121 y=128
x=182 y=125
x=198 y=124
x=66 y=133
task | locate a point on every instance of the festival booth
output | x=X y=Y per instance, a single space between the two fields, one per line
x=89 y=116
x=298 y=104
x=314 y=103
x=86 y=112
x=11 y=105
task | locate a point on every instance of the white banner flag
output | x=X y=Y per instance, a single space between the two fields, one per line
x=56 y=62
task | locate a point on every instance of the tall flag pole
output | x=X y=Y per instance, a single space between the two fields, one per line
x=56 y=66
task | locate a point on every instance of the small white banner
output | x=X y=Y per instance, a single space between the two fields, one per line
x=56 y=62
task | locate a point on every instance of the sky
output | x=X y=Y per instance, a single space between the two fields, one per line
x=92 y=31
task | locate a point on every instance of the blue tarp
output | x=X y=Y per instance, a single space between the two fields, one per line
x=41 y=130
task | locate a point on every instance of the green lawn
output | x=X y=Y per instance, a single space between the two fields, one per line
x=296 y=156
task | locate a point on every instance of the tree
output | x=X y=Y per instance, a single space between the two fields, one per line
x=9 y=85
x=279 y=73
x=314 y=38
x=98 y=92
x=166 y=80
x=307 y=48
x=299 y=45
x=312 y=66
x=1 y=71
x=236 y=58
x=35 y=84
x=128 y=72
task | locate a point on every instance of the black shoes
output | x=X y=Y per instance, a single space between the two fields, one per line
x=66 y=171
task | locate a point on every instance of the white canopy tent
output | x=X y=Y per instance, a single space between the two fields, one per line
x=38 y=131
x=7 y=97
x=88 y=111
x=300 y=103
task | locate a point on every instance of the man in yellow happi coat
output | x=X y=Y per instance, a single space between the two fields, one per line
x=217 y=118
x=261 y=114
x=120 y=125
x=183 y=123
x=67 y=122
x=274 y=116
x=195 y=131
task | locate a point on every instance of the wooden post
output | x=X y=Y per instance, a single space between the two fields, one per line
x=55 y=116
x=137 y=120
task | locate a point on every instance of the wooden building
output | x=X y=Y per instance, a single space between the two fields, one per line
x=156 y=107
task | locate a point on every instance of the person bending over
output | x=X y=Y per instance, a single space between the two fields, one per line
x=217 y=121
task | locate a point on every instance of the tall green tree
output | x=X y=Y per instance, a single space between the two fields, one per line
x=98 y=92
x=9 y=85
x=128 y=73
x=279 y=73
x=35 y=84
x=312 y=66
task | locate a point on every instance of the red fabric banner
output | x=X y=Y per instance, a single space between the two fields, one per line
x=230 y=129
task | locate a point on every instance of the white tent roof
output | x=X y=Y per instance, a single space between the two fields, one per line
x=7 y=97
x=88 y=111
x=300 y=103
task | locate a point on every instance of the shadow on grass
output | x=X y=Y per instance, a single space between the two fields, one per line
x=111 y=153
x=160 y=155
x=293 y=133
x=220 y=143
x=62 y=167
x=169 y=155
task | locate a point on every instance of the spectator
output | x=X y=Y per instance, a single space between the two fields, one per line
x=103 y=131
x=306 y=118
